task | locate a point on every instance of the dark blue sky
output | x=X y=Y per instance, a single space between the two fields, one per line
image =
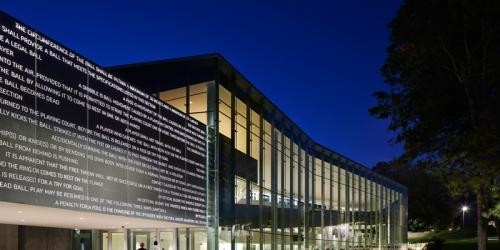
x=318 y=61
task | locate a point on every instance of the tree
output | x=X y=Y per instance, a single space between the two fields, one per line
x=429 y=203
x=443 y=72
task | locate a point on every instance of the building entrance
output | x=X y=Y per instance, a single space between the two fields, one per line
x=113 y=240
x=142 y=237
x=131 y=239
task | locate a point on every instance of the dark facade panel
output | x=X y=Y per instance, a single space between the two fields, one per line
x=155 y=76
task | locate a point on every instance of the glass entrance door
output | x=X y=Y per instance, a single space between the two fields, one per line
x=113 y=240
x=167 y=240
x=141 y=237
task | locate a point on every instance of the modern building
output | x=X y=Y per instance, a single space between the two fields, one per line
x=276 y=186
x=268 y=185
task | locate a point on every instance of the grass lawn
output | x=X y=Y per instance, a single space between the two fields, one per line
x=468 y=244
x=457 y=240
x=446 y=235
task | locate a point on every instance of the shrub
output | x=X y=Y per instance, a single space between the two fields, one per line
x=436 y=243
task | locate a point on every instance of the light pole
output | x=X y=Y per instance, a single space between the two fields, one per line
x=464 y=209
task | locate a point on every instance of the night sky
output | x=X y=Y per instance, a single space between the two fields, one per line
x=318 y=61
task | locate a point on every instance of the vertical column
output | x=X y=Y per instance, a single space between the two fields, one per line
x=388 y=215
x=248 y=240
x=381 y=214
x=274 y=187
x=231 y=183
x=339 y=197
x=261 y=183
x=312 y=199
x=282 y=202
x=367 y=211
x=348 y=193
x=370 y=210
x=212 y=167
x=188 y=238
x=330 y=206
x=390 y=210
x=248 y=152
x=175 y=239
x=405 y=216
x=362 y=208
x=380 y=219
x=322 y=223
x=307 y=199
x=301 y=232
x=292 y=186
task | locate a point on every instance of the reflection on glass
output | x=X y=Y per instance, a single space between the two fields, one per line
x=198 y=101
x=166 y=240
x=175 y=97
x=117 y=241
x=254 y=194
x=199 y=239
x=182 y=238
x=240 y=192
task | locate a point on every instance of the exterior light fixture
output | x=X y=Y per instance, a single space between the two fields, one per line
x=464 y=209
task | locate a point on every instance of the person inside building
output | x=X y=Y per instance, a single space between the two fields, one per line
x=155 y=245
x=142 y=246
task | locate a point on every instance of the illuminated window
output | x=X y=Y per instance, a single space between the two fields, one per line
x=363 y=203
x=175 y=97
x=303 y=173
x=343 y=188
x=310 y=173
x=295 y=170
x=328 y=184
x=288 y=168
x=254 y=135
x=241 y=126
x=318 y=184
x=335 y=188
x=255 y=140
x=267 y=155
x=224 y=112
x=198 y=101
x=354 y=192
x=279 y=160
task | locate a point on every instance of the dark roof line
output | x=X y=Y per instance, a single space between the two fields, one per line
x=168 y=60
x=261 y=95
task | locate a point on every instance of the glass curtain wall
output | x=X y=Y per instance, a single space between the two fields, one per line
x=306 y=198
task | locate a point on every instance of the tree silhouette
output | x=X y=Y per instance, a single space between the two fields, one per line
x=429 y=203
x=443 y=72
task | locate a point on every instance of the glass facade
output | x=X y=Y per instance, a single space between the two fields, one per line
x=281 y=190
x=269 y=185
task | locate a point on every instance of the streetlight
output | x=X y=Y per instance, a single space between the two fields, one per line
x=464 y=209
